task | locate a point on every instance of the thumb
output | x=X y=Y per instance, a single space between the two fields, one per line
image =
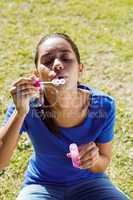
x=52 y=74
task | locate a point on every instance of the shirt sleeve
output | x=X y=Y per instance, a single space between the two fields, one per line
x=8 y=115
x=107 y=131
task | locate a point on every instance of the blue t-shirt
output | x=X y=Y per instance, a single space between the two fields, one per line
x=49 y=163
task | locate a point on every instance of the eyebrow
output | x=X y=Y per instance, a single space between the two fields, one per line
x=62 y=50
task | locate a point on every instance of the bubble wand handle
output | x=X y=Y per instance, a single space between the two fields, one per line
x=74 y=152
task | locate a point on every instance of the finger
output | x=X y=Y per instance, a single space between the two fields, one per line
x=90 y=162
x=22 y=92
x=85 y=148
x=26 y=90
x=90 y=154
x=33 y=76
x=87 y=165
x=68 y=155
x=19 y=90
x=25 y=84
x=51 y=74
x=13 y=90
x=27 y=93
x=26 y=87
x=22 y=81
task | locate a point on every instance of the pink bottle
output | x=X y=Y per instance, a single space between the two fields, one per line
x=74 y=154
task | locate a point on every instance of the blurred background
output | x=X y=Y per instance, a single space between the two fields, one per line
x=103 y=32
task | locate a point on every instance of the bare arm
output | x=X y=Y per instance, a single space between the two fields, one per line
x=21 y=92
x=9 y=136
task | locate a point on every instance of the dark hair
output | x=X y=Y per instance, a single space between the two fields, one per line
x=60 y=35
x=48 y=120
x=45 y=114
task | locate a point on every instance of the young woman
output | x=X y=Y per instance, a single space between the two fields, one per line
x=68 y=113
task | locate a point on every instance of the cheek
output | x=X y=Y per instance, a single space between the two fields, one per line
x=75 y=71
x=74 y=75
x=43 y=72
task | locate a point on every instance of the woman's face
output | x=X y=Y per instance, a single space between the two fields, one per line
x=56 y=59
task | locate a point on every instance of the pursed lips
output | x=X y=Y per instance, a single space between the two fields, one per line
x=60 y=76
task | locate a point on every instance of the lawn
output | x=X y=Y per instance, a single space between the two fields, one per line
x=103 y=31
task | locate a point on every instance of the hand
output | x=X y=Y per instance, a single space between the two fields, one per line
x=89 y=155
x=22 y=90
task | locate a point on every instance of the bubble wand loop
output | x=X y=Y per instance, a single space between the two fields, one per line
x=57 y=82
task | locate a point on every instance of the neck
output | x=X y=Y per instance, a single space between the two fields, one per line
x=62 y=100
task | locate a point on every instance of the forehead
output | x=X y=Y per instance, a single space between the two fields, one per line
x=53 y=44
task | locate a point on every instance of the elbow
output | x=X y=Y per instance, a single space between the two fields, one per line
x=1 y=143
x=3 y=166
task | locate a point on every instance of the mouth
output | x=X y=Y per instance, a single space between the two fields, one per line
x=60 y=77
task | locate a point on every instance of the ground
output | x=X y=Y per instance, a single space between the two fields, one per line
x=102 y=30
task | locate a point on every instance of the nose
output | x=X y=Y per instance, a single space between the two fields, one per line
x=57 y=65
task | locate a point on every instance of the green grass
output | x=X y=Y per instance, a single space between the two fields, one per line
x=103 y=31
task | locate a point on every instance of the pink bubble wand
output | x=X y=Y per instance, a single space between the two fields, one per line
x=74 y=155
x=56 y=82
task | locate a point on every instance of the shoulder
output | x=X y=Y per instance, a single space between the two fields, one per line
x=99 y=99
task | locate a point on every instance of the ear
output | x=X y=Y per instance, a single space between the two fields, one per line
x=81 y=70
x=81 y=67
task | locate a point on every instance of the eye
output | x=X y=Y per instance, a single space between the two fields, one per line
x=48 y=62
x=66 y=59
